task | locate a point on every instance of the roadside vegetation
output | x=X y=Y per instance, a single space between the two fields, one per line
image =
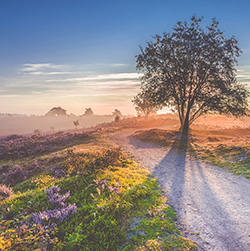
x=234 y=157
x=81 y=195
x=227 y=148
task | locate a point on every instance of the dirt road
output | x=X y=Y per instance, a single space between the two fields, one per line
x=208 y=200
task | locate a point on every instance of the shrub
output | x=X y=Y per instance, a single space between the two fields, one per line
x=5 y=192
x=36 y=166
x=27 y=238
x=15 y=175
x=117 y=118
x=85 y=163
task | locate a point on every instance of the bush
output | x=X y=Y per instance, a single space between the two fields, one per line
x=15 y=175
x=86 y=163
x=5 y=192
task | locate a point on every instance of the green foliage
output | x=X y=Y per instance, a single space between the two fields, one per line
x=91 y=162
x=103 y=232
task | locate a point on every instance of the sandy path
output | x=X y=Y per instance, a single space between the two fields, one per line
x=208 y=200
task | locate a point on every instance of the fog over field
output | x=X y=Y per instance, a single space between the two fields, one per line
x=27 y=125
x=21 y=124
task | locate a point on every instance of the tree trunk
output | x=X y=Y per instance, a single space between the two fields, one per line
x=185 y=128
x=185 y=125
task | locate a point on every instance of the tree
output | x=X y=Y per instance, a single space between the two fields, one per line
x=117 y=112
x=144 y=105
x=56 y=111
x=117 y=118
x=192 y=70
x=88 y=111
x=76 y=123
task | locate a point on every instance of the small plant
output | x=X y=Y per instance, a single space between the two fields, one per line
x=57 y=171
x=5 y=192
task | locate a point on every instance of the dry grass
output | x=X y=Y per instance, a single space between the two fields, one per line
x=219 y=140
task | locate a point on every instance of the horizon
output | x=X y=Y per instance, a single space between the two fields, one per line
x=82 y=54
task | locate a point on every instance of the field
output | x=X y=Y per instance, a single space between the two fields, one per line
x=76 y=191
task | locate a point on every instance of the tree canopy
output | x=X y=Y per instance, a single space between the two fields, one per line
x=56 y=111
x=88 y=111
x=117 y=112
x=192 y=71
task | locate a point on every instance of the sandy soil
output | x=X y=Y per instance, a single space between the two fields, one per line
x=208 y=200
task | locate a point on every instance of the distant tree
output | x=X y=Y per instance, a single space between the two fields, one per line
x=56 y=111
x=37 y=133
x=76 y=123
x=192 y=70
x=144 y=105
x=88 y=111
x=117 y=112
x=117 y=118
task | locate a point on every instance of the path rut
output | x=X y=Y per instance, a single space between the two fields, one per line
x=207 y=199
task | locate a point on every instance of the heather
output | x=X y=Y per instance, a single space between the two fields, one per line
x=86 y=198
x=17 y=147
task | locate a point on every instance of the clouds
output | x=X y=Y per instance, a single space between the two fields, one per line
x=37 y=87
x=71 y=85
x=103 y=77
x=45 y=69
x=243 y=74
x=39 y=67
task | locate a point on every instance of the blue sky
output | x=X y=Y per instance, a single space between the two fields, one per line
x=78 y=54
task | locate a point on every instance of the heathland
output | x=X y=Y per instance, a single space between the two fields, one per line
x=77 y=190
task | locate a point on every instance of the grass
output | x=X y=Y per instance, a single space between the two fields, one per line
x=233 y=157
x=119 y=205
x=229 y=149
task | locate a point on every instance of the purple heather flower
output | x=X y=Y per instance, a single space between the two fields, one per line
x=50 y=218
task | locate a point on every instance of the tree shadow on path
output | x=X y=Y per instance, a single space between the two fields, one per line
x=180 y=175
x=141 y=144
